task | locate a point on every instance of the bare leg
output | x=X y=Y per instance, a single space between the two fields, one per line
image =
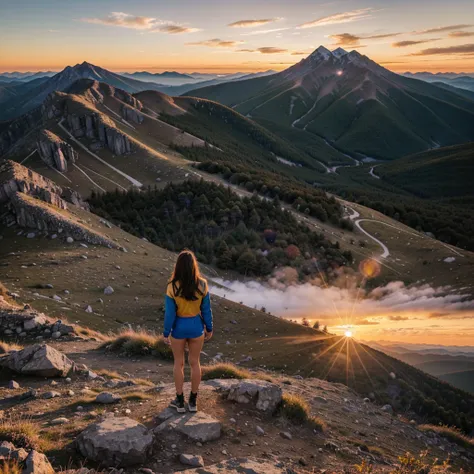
x=195 y=347
x=177 y=346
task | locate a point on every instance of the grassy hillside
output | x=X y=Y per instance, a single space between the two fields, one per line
x=437 y=174
x=463 y=380
x=139 y=278
x=366 y=109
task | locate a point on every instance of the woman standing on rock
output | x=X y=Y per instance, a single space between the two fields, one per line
x=188 y=319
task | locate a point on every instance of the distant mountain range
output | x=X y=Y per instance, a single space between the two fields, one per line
x=21 y=92
x=454 y=364
x=462 y=81
x=354 y=104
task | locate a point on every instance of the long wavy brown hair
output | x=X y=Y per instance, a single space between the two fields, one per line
x=186 y=279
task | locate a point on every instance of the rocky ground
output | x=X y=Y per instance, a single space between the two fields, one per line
x=85 y=407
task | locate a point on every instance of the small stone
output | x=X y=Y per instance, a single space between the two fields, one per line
x=52 y=394
x=286 y=435
x=108 y=290
x=224 y=452
x=70 y=393
x=260 y=431
x=69 y=240
x=13 y=385
x=108 y=398
x=59 y=421
x=89 y=309
x=191 y=460
x=233 y=420
x=56 y=335
x=31 y=235
x=53 y=383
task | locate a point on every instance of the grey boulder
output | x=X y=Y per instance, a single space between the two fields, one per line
x=37 y=463
x=265 y=395
x=115 y=442
x=40 y=360
x=107 y=398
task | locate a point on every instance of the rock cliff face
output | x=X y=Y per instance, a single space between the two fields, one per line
x=92 y=125
x=54 y=151
x=16 y=178
x=131 y=114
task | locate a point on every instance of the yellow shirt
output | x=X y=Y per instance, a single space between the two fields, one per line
x=186 y=307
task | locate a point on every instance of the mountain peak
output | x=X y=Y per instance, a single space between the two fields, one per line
x=339 y=52
x=321 y=53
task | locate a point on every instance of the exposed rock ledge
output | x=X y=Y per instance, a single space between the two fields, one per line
x=54 y=151
x=35 y=214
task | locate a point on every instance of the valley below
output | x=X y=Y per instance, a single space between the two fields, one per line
x=309 y=247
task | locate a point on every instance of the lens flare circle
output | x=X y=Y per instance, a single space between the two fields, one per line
x=369 y=268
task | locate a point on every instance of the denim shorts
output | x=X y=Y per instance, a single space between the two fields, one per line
x=187 y=327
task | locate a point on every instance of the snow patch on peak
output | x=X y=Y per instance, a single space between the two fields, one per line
x=321 y=52
x=339 y=52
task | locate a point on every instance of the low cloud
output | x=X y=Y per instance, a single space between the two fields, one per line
x=216 y=43
x=125 y=20
x=463 y=49
x=264 y=50
x=346 y=17
x=252 y=23
x=284 y=297
x=404 y=44
x=461 y=34
x=299 y=53
x=441 y=29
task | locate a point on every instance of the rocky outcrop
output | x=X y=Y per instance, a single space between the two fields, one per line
x=38 y=360
x=115 y=442
x=94 y=125
x=131 y=114
x=16 y=178
x=35 y=214
x=54 y=151
x=265 y=395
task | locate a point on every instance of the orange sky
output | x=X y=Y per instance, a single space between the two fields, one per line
x=215 y=36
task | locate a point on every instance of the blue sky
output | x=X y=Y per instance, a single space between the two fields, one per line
x=189 y=35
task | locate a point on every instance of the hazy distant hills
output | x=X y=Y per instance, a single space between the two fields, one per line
x=462 y=81
x=354 y=103
x=450 y=365
x=21 y=92
x=30 y=98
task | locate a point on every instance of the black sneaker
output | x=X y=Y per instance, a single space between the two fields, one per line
x=178 y=403
x=192 y=404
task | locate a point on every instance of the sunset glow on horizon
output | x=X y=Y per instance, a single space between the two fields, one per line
x=251 y=36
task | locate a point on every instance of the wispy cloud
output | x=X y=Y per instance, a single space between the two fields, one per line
x=398 y=317
x=263 y=32
x=441 y=29
x=300 y=53
x=346 y=17
x=125 y=20
x=461 y=34
x=216 y=43
x=463 y=49
x=405 y=44
x=348 y=39
x=174 y=29
x=264 y=50
x=252 y=23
